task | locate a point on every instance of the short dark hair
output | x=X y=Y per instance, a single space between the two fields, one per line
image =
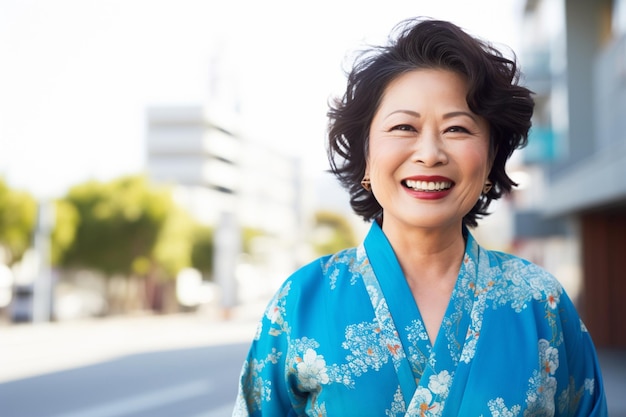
x=493 y=93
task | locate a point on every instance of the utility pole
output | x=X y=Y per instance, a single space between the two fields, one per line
x=42 y=285
x=227 y=251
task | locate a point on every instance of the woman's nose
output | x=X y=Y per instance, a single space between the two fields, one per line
x=429 y=149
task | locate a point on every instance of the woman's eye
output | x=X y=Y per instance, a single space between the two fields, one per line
x=404 y=128
x=457 y=129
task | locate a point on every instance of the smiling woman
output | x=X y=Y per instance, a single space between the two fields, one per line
x=419 y=320
x=428 y=153
x=485 y=94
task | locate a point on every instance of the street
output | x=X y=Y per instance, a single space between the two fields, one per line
x=169 y=366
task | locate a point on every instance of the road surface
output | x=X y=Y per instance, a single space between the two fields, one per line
x=167 y=366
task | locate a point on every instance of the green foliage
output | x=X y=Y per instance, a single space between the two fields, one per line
x=127 y=226
x=173 y=249
x=130 y=227
x=203 y=250
x=332 y=233
x=64 y=230
x=18 y=213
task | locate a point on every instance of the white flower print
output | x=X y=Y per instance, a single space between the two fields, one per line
x=553 y=300
x=418 y=356
x=583 y=328
x=590 y=384
x=367 y=349
x=516 y=290
x=429 y=402
x=469 y=349
x=259 y=330
x=312 y=371
x=416 y=331
x=499 y=409
x=570 y=397
x=241 y=408
x=540 y=401
x=335 y=266
x=275 y=312
x=540 y=397
x=332 y=278
x=373 y=293
x=261 y=390
x=422 y=404
x=548 y=357
x=440 y=384
x=398 y=408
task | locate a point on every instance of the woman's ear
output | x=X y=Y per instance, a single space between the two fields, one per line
x=365 y=182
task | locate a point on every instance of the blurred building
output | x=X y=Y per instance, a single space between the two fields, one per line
x=574 y=59
x=219 y=174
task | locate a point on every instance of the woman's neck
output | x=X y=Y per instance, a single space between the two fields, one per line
x=428 y=255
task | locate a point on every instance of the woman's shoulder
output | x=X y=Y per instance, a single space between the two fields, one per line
x=519 y=268
x=324 y=268
x=518 y=280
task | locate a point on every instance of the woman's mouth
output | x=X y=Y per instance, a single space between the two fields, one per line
x=427 y=186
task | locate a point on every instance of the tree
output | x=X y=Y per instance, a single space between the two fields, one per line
x=118 y=224
x=203 y=250
x=129 y=227
x=64 y=230
x=173 y=249
x=332 y=233
x=18 y=213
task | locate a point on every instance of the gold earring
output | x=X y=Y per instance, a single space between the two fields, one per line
x=365 y=183
x=487 y=187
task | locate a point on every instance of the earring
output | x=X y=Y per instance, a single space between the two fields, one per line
x=365 y=183
x=487 y=187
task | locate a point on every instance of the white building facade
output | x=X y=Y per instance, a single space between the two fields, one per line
x=217 y=173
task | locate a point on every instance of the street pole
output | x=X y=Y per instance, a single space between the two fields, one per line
x=227 y=251
x=42 y=285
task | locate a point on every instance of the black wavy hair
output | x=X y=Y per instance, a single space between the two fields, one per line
x=493 y=93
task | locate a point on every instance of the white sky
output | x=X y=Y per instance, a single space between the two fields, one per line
x=76 y=76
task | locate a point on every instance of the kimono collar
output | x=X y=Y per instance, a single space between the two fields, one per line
x=419 y=361
x=376 y=240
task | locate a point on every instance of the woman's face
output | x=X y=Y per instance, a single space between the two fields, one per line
x=428 y=153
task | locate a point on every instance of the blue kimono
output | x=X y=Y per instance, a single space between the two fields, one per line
x=343 y=337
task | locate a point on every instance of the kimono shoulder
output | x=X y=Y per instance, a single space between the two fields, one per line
x=320 y=288
x=524 y=305
x=518 y=281
x=519 y=286
x=316 y=279
x=325 y=270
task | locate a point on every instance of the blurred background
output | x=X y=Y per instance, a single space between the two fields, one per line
x=163 y=170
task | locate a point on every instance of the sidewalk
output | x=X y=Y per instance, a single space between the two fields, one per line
x=613 y=363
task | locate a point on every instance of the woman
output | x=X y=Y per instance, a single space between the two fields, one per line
x=420 y=320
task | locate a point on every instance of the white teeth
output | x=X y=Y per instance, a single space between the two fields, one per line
x=428 y=185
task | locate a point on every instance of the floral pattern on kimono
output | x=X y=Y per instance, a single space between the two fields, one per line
x=344 y=337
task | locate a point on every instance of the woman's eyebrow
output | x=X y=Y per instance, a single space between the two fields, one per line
x=459 y=113
x=409 y=112
x=445 y=116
